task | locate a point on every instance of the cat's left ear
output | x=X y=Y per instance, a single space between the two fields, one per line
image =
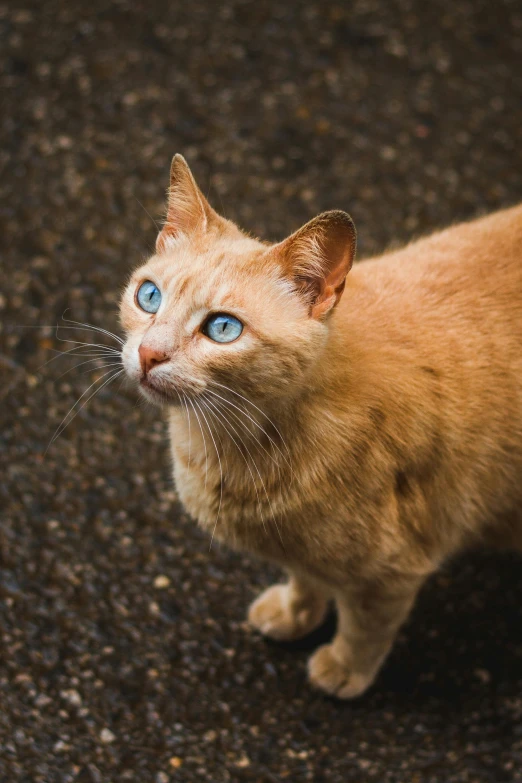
x=317 y=259
x=188 y=210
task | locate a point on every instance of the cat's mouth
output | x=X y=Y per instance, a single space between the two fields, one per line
x=168 y=391
x=157 y=394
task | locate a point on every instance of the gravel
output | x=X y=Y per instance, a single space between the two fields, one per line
x=125 y=653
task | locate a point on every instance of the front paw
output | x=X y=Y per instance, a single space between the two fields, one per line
x=335 y=677
x=277 y=614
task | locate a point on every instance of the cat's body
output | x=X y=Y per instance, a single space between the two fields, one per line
x=399 y=444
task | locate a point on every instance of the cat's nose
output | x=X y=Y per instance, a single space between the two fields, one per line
x=150 y=357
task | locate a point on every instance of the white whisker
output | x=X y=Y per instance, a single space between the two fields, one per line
x=258 y=444
x=81 y=328
x=220 y=472
x=257 y=471
x=215 y=383
x=256 y=424
x=99 y=367
x=189 y=429
x=104 y=350
x=66 y=420
x=223 y=424
x=91 y=369
x=81 y=342
x=93 y=328
x=204 y=440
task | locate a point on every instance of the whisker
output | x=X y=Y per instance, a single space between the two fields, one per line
x=79 y=352
x=223 y=424
x=257 y=409
x=204 y=439
x=184 y=404
x=251 y=434
x=189 y=428
x=79 y=324
x=260 y=477
x=81 y=342
x=158 y=228
x=256 y=424
x=66 y=420
x=81 y=328
x=253 y=480
x=220 y=473
x=89 y=361
x=100 y=367
x=83 y=352
x=257 y=443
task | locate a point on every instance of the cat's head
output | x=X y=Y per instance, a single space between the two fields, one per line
x=214 y=306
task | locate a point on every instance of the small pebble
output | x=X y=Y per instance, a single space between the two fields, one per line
x=107 y=736
x=72 y=697
x=162 y=582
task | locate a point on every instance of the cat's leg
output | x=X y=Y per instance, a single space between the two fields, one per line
x=289 y=611
x=368 y=621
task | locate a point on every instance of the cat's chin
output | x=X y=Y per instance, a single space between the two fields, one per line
x=158 y=396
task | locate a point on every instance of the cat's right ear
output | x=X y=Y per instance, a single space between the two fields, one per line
x=188 y=210
x=317 y=258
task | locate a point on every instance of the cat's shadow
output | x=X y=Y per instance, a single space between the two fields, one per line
x=308 y=644
x=462 y=641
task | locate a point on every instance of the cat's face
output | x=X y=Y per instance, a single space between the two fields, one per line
x=215 y=308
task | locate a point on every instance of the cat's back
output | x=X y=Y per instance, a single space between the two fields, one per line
x=432 y=334
x=466 y=278
x=484 y=255
x=438 y=327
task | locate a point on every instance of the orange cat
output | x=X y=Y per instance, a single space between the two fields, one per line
x=357 y=442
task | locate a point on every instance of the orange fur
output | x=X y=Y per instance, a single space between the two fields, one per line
x=358 y=445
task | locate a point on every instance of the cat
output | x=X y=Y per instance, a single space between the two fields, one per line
x=357 y=426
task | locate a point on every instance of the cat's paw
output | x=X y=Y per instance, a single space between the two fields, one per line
x=276 y=615
x=334 y=677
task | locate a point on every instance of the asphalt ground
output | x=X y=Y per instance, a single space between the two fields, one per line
x=125 y=656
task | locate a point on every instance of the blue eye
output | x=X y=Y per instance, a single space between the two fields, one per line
x=149 y=297
x=223 y=328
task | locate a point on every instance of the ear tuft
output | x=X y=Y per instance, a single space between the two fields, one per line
x=187 y=208
x=317 y=259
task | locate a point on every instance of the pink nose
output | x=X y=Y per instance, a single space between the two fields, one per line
x=150 y=357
